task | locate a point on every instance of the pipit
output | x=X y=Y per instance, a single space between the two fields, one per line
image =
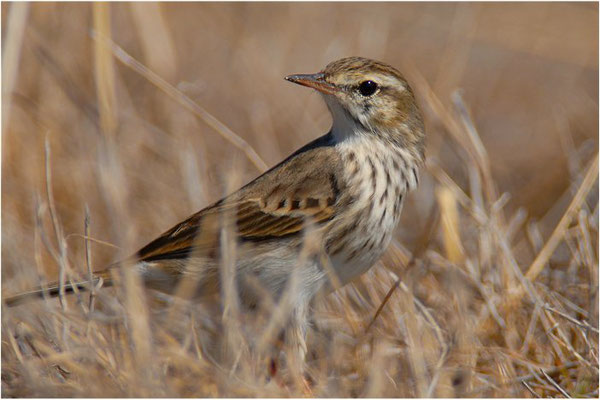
x=343 y=192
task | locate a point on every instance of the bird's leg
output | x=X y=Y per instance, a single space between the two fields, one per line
x=295 y=341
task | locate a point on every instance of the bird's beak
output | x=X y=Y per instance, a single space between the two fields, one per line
x=315 y=81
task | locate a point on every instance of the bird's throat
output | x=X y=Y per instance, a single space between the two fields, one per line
x=344 y=126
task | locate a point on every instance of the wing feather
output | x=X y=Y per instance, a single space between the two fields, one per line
x=276 y=204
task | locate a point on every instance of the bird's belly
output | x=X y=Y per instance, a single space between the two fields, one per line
x=350 y=264
x=364 y=244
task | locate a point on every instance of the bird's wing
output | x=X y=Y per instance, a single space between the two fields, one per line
x=276 y=204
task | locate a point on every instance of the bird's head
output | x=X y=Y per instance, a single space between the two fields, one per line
x=368 y=97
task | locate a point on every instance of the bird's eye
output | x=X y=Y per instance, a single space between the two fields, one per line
x=367 y=88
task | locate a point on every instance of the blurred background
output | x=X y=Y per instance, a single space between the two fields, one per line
x=141 y=158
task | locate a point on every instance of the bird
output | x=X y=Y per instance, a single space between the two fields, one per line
x=342 y=193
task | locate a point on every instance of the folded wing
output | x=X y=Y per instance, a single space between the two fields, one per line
x=277 y=204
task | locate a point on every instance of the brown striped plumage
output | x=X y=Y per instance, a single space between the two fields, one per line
x=346 y=189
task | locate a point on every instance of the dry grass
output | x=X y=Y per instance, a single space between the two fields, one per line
x=140 y=113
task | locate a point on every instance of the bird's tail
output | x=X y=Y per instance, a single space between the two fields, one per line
x=53 y=289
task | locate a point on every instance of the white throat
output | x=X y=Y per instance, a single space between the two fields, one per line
x=344 y=126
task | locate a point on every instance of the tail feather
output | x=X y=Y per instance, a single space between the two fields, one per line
x=53 y=289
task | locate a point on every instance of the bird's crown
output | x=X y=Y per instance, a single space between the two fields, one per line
x=349 y=71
